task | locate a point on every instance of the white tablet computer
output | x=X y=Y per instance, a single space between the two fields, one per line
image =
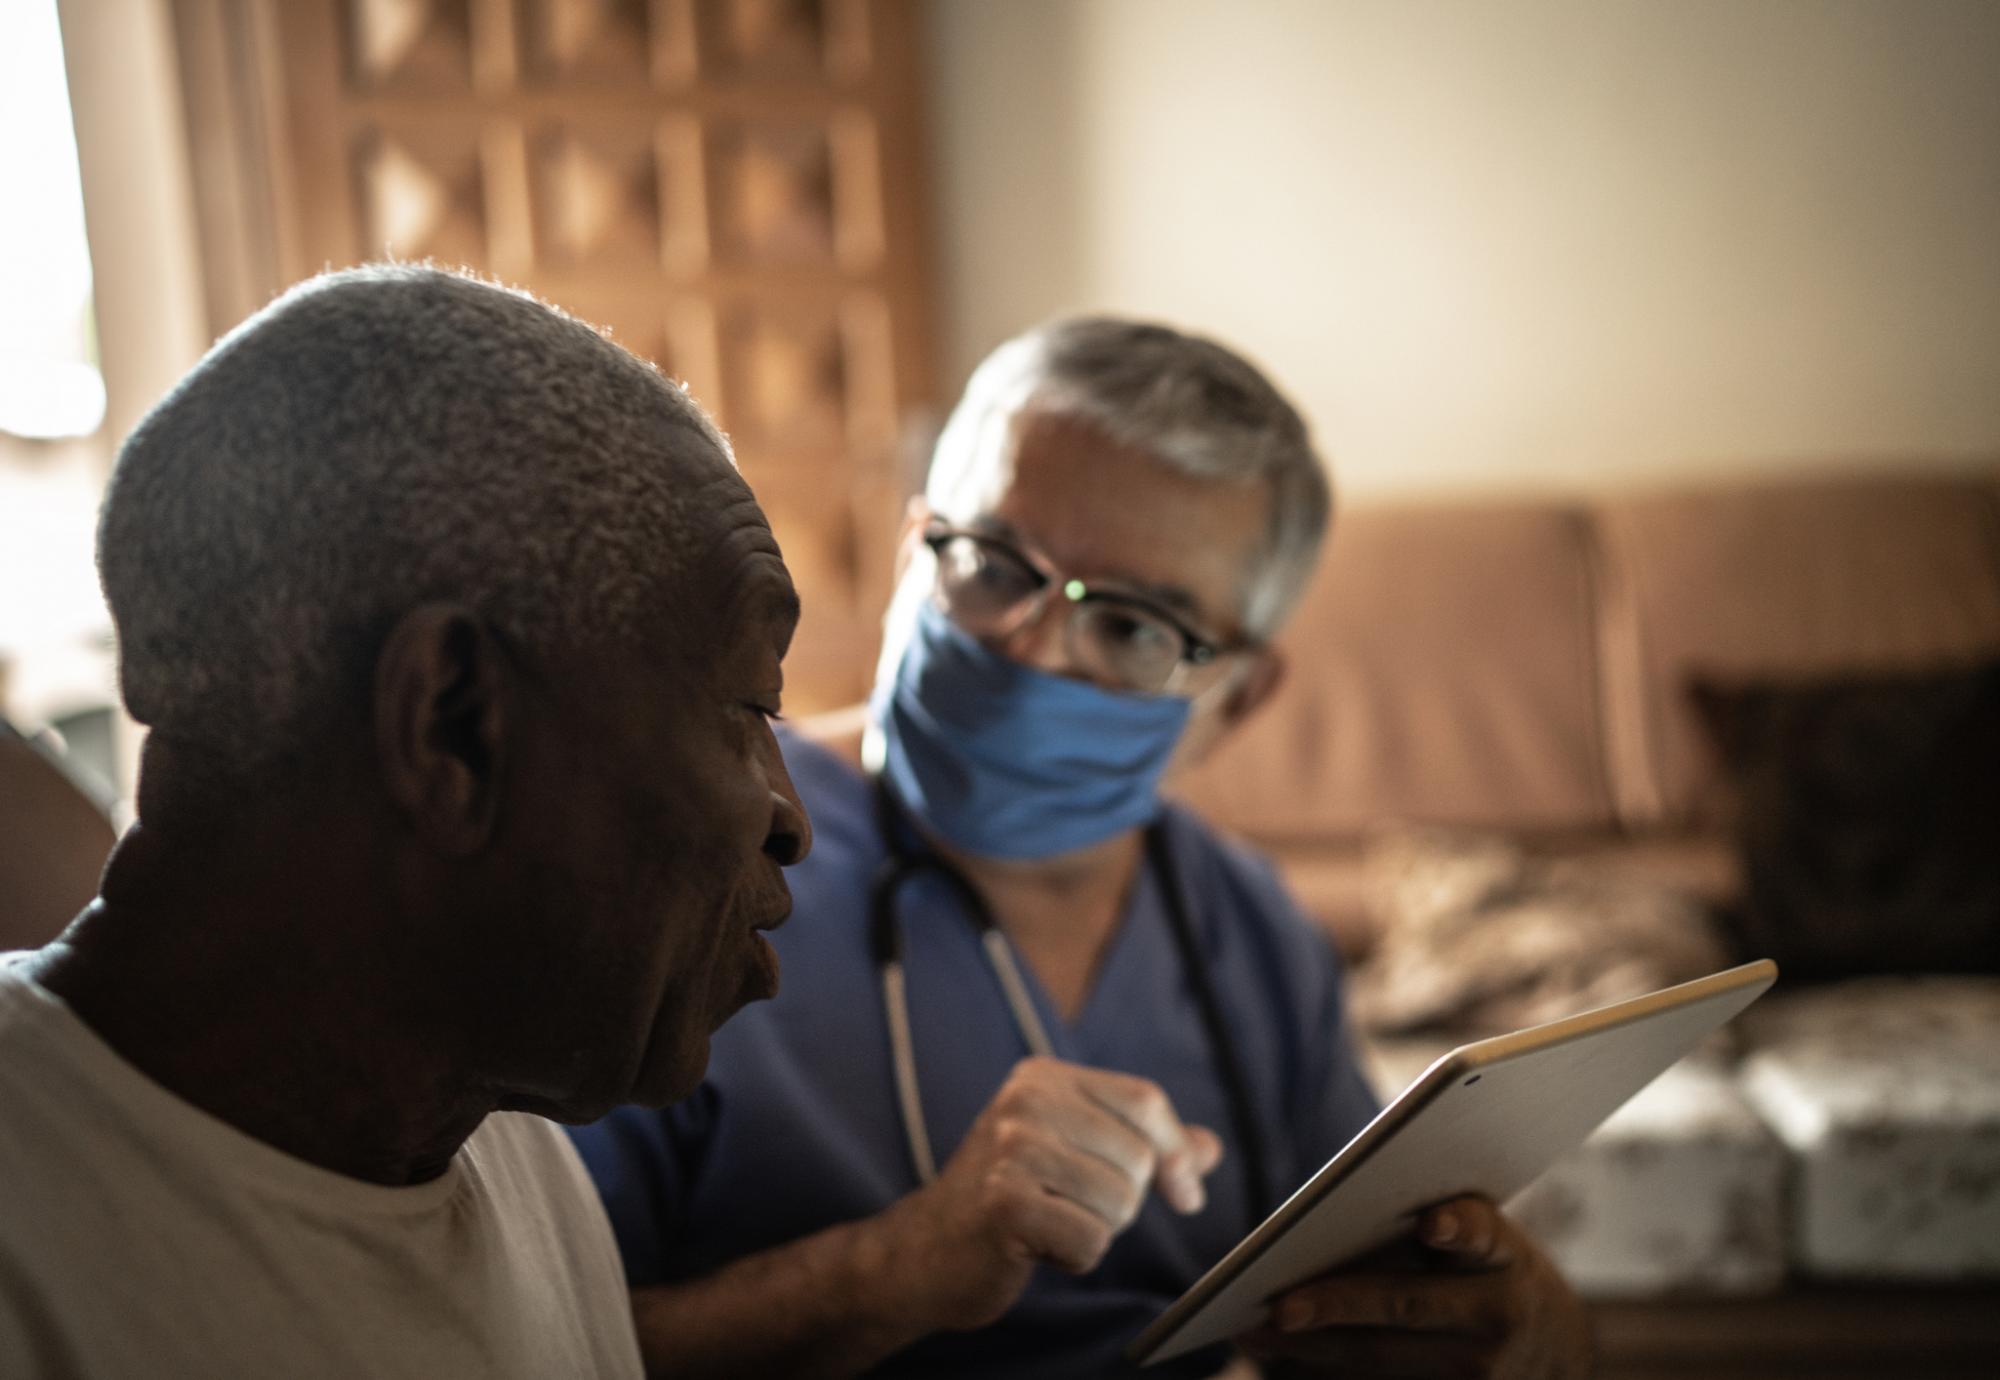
x=1486 y=1118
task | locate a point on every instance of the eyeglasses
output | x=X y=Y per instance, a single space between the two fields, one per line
x=992 y=588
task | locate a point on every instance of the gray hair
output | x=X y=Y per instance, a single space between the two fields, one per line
x=1198 y=407
x=372 y=440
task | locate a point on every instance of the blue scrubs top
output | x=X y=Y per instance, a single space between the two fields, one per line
x=796 y=1127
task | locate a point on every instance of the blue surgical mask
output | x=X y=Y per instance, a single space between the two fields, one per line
x=1005 y=761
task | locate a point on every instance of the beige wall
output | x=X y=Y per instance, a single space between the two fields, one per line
x=1540 y=242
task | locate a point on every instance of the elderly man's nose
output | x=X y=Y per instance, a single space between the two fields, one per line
x=790 y=837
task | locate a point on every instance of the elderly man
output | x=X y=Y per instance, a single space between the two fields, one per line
x=458 y=636
x=1117 y=521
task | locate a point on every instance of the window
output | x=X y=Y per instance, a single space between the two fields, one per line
x=49 y=380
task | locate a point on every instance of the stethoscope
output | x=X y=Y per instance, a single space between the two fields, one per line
x=886 y=939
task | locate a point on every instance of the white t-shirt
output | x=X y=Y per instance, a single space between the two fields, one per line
x=140 y=1236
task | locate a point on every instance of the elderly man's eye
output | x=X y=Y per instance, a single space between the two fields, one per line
x=769 y=712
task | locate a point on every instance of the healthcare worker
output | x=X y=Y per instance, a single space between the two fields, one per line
x=1046 y=1047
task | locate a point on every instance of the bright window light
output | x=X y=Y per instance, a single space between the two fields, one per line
x=49 y=381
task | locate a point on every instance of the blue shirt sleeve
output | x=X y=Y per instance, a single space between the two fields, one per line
x=643 y=1163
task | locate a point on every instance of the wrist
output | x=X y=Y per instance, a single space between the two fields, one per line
x=881 y=1282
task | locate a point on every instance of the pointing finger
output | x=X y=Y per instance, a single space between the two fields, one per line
x=1180 y=1175
x=1204 y=1149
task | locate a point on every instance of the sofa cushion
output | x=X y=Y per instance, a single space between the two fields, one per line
x=1797 y=579
x=1336 y=880
x=1441 y=669
x=1681 y=1191
x=1887 y=1092
x=1482 y=937
x=1866 y=810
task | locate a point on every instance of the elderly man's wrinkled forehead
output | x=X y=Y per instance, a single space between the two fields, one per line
x=731 y=535
x=737 y=572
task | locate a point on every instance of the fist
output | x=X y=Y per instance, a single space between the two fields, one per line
x=1058 y=1163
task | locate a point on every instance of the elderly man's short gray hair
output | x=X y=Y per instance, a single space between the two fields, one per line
x=372 y=440
x=1198 y=407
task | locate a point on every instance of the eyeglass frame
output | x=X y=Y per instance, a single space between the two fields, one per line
x=1200 y=650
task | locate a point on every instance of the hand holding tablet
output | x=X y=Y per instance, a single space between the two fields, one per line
x=1475 y=1129
x=1481 y=1300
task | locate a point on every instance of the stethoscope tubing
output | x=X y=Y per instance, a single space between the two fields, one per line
x=886 y=940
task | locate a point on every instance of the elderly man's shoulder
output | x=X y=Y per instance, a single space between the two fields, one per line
x=33 y=1049
x=137 y=1232
x=75 y=1107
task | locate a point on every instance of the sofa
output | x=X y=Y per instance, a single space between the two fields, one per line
x=53 y=842
x=1537 y=751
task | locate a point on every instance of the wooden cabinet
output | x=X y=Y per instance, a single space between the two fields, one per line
x=732 y=187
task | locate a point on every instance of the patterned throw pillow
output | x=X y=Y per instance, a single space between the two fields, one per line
x=1480 y=937
x=1867 y=813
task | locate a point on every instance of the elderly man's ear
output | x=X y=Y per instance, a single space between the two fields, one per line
x=442 y=684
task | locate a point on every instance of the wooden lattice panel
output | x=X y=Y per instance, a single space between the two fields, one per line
x=727 y=185
x=778 y=40
x=595 y=193
x=784 y=378
x=409 y=44
x=586 y=40
x=420 y=193
x=773 y=192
